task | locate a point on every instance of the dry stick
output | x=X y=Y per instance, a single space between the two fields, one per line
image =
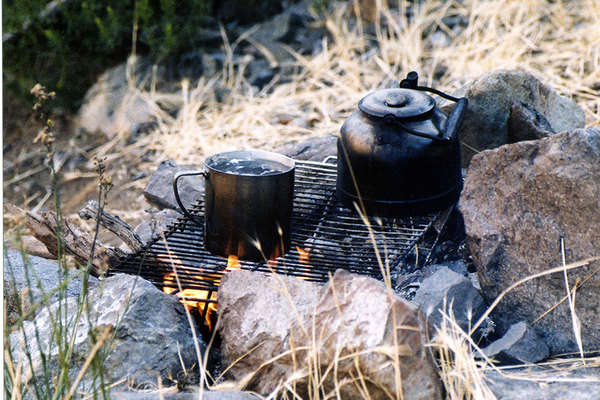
x=538 y=275
x=25 y=175
x=114 y=224
x=76 y=242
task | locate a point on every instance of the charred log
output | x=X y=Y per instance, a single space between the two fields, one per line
x=47 y=228
x=114 y=224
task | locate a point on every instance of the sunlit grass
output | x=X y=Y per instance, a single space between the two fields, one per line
x=556 y=41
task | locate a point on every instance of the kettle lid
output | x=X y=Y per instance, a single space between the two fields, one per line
x=399 y=103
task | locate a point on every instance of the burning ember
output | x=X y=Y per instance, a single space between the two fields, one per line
x=205 y=301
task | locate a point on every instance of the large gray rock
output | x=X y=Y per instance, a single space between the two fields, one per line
x=159 y=189
x=358 y=318
x=451 y=293
x=285 y=326
x=256 y=313
x=520 y=344
x=490 y=99
x=546 y=383
x=31 y=283
x=150 y=336
x=110 y=106
x=518 y=202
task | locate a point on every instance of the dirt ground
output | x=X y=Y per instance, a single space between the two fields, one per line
x=27 y=182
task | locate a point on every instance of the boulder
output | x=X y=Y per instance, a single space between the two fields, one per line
x=283 y=27
x=518 y=202
x=111 y=107
x=159 y=189
x=490 y=99
x=149 y=335
x=446 y=291
x=520 y=344
x=354 y=328
x=256 y=314
x=119 y=102
x=31 y=283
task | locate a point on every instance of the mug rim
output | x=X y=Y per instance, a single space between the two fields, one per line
x=286 y=161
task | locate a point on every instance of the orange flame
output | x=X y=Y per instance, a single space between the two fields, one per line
x=170 y=287
x=303 y=255
x=233 y=263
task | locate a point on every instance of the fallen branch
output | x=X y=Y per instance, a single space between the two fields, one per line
x=114 y=224
x=45 y=228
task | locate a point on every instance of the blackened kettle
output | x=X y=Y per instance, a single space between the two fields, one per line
x=399 y=154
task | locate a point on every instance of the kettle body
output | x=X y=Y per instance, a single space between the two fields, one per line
x=399 y=154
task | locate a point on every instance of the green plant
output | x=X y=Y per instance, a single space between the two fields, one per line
x=67 y=47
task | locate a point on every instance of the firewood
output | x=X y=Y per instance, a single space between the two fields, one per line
x=114 y=224
x=45 y=227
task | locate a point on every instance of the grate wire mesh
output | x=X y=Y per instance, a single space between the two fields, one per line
x=325 y=237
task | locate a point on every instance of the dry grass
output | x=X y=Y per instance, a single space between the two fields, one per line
x=559 y=42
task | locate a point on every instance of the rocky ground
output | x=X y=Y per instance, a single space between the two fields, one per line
x=530 y=203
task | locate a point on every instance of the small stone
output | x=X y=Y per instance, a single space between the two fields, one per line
x=520 y=344
x=158 y=222
x=259 y=73
x=545 y=382
x=159 y=189
x=448 y=292
x=439 y=39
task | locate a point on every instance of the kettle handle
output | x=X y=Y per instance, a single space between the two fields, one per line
x=455 y=119
x=457 y=114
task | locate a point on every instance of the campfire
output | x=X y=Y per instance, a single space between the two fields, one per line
x=325 y=236
x=203 y=301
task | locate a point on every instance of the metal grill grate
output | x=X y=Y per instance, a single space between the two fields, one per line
x=325 y=237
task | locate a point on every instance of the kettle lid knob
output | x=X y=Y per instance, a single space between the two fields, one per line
x=396 y=99
x=398 y=103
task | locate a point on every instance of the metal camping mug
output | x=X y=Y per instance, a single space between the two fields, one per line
x=248 y=200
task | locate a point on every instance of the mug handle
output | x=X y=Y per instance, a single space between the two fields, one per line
x=178 y=175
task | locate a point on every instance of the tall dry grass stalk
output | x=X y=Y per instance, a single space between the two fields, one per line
x=559 y=42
